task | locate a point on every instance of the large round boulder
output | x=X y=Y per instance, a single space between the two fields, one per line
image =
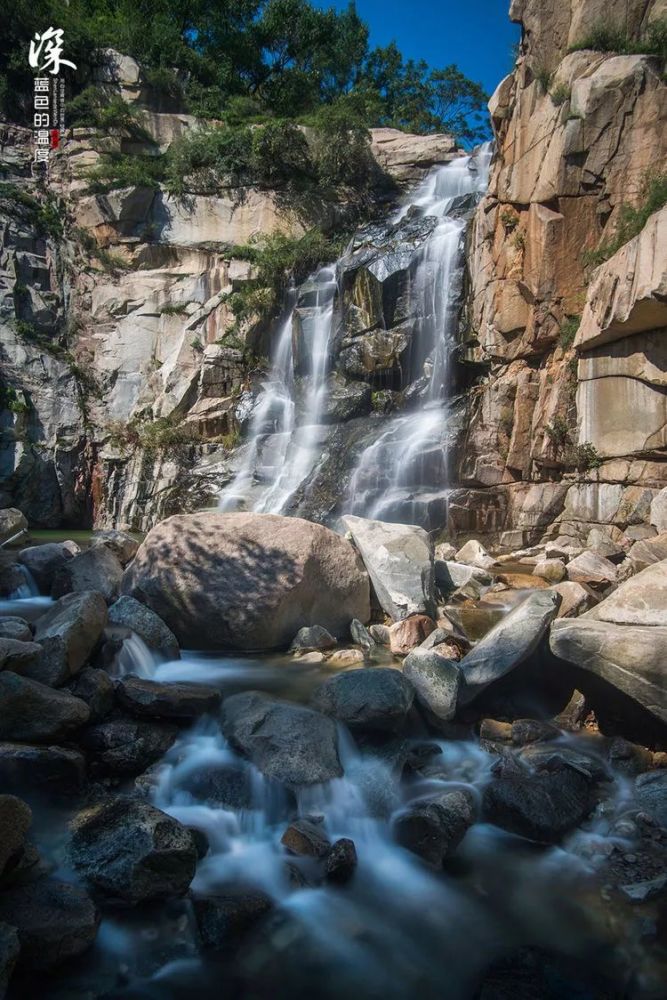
x=247 y=581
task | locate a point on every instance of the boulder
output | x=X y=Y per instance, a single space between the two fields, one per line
x=411 y=632
x=592 y=569
x=224 y=783
x=306 y=838
x=12 y=522
x=361 y=636
x=658 y=515
x=444 y=552
x=522 y=581
x=509 y=643
x=433 y=828
x=70 y=630
x=473 y=553
x=19 y=656
x=290 y=743
x=96 y=569
x=45 y=561
x=647 y=551
x=9 y=952
x=574 y=598
x=651 y=795
x=129 y=850
x=641 y=600
x=341 y=861
x=15 y=820
x=127 y=746
x=376 y=699
x=436 y=681
x=311 y=638
x=55 y=921
x=381 y=634
x=153 y=700
x=343 y=659
x=51 y=772
x=551 y=570
x=128 y=613
x=452 y=575
x=247 y=581
x=227 y=917
x=96 y=688
x=15 y=628
x=35 y=713
x=399 y=560
x=123 y=546
x=542 y=805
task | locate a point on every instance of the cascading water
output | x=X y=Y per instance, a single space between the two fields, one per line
x=288 y=427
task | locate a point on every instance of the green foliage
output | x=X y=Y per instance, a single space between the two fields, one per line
x=631 y=220
x=510 y=219
x=568 y=331
x=279 y=154
x=204 y=159
x=543 y=77
x=165 y=434
x=605 y=36
x=95 y=108
x=586 y=456
x=558 y=431
x=341 y=144
x=560 y=94
x=518 y=240
x=43 y=214
x=174 y=309
x=10 y=400
x=242 y=61
x=119 y=170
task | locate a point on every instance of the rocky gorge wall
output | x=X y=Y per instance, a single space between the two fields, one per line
x=566 y=419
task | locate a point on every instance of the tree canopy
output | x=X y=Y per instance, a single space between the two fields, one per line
x=248 y=59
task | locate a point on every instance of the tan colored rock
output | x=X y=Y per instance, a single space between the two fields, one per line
x=658 y=515
x=641 y=600
x=592 y=569
x=551 y=570
x=523 y=581
x=473 y=553
x=648 y=551
x=407 y=158
x=342 y=659
x=575 y=598
x=408 y=633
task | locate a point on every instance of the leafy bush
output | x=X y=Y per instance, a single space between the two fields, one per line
x=161 y=435
x=586 y=456
x=509 y=219
x=279 y=154
x=95 y=108
x=568 y=331
x=342 y=145
x=204 y=159
x=543 y=77
x=558 y=431
x=631 y=220
x=608 y=37
x=118 y=170
x=44 y=215
x=560 y=94
x=174 y=309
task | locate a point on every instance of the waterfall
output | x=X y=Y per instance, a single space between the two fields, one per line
x=398 y=472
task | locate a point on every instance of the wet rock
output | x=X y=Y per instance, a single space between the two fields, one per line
x=436 y=681
x=474 y=554
x=312 y=638
x=12 y=521
x=290 y=743
x=376 y=699
x=526 y=731
x=129 y=850
x=96 y=688
x=629 y=758
x=345 y=400
x=409 y=633
x=341 y=862
x=651 y=794
x=225 y=784
x=247 y=581
x=19 y=656
x=450 y=649
x=495 y=731
x=551 y=570
x=542 y=805
x=127 y=746
x=9 y=952
x=344 y=659
x=15 y=820
x=153 y=700
x=449 y=576
x=306 y=838
x=640 y=892
x=399 y=560
x=592 y=569
x=432 y=829
x=45 y=561
x=507 y=644
x=15 y=628
x=123 y=546
x=50 y=771
x=129 y=613
x=573 y=715
x=225 y=919
x=381 y=634
x=55 y=921
x=96 y=569
x=34 y=713
x=641 y=600
x=361 y=636
x=71 y=629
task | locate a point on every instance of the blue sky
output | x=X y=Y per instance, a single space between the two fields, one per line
x=475 y=34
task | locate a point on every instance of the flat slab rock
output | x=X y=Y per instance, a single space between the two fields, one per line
x=151 y=699
x=399 y=560
x=375 y=699
x=287 y=742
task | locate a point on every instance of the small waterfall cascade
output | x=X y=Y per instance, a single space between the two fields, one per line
x=403 y=465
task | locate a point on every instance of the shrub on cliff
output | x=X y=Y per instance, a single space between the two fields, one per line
x=631 y=220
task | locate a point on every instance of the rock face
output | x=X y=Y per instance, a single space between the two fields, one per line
x=292 y=744
x=131 y=851
x=373 y=699
x=55 y=921
x=577 y=383
x=247 y=581
x=399 y=560
x=508 y=643
x=623 y=640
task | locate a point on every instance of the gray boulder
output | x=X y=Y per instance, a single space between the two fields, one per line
x=433 y=828
x=34 y=713
x=127 y=746
x=399 y=560
x=450 y=575
x=247 y=581
x=9 y=952
x=129 y=850
x=123 y=546
x=55 y=921
x=641 y=600
x=152 y=700
x=51 y=772
x=221 y=783
x=12 y=522
x=312 y=638
x=70 y=630
x=508 y=643
x=290 y=743
x=345 y=400
x=436 y=681
x=96 y=688
x=227 y=917
x=19 y=656
x=129 y=613
x=96 y=569
x=45 y=561
x=15 y=820
x=15 y=628
x=370 y=699
x=651 y=795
